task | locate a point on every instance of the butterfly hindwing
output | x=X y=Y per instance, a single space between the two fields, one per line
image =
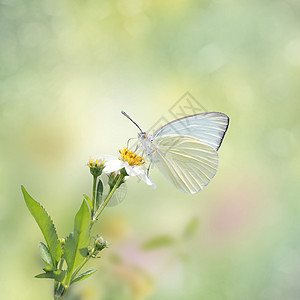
x=186 y=162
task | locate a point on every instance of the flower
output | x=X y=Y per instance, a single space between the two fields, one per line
x=98 y=163
x=132 y=164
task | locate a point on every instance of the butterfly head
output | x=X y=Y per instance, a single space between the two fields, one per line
x=142 y=135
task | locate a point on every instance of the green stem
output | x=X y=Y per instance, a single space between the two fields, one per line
x=59 y=297
x=103 y=205
x=59 y=290
x=64 y=293
x=94 y=194
x=55 y=289
x=82 y=264
x=95 y=215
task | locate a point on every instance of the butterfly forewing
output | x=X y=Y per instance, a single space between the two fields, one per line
x=209 y=127
x=186 y=162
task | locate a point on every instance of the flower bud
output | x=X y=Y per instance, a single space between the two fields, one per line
x=96 y=166
x=100 y=244
x=112 y=179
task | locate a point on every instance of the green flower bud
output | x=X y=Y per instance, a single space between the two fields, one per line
x=96 y=166
x=100 y=244
x=112 y=178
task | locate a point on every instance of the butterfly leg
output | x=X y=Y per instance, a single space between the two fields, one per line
x=141 y=155
x=129 y=141
x=148 y=169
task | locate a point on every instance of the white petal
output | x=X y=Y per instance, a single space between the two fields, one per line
x=106 y=157
x=147 y=179
x=133 y=171
x=152 y=183
x=113 y=166
x=129 y=170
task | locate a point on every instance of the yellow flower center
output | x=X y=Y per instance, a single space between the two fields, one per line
x=96 y=163
x=132 y=158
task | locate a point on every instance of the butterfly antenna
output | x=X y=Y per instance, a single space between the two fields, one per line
x=124 y=113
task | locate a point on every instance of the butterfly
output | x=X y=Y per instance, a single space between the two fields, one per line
x=186 y=149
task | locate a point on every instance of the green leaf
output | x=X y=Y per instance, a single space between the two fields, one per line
x=45 y=254
x=90 y=202
x=46 y=275
x=46 y=225
x=57 y=275
x=190 y=228
x=77 y=243
x=70 y=249
x=158 y=242
x=83 y=276
x=99 y=194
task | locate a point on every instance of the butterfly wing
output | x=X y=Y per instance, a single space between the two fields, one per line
x=209 y=127
x=186 y=162
x=119 y=196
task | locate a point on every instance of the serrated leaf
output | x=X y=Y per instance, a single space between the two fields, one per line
x=83 y=276
x=70 y=249
x=99 y=194
x=57 y=275
x=46 y=225
x=190 y=228
x=45 y=254
x=77 y=243
x=158 y=242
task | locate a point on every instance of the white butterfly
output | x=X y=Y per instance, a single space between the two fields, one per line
x=185 y=150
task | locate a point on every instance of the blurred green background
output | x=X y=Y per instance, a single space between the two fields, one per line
x=67 y=68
